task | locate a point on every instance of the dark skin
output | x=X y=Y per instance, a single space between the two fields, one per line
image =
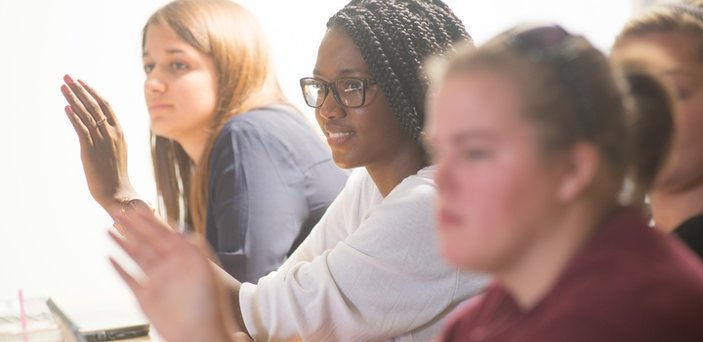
x=376 y=140
x=179 y=275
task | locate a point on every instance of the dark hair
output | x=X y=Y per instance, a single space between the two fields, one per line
x=651 y=128
x=395 y=37
x=684 y=16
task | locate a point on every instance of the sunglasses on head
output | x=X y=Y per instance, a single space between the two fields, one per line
x=549 y=44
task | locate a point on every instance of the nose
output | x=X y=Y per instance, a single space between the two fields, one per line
x=330 y=109
x=444 y=176
x=154 y=84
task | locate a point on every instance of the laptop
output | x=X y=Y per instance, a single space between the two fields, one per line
x=97 y=325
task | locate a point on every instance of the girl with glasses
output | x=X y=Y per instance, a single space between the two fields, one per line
x=232 y=159
x=371 y=269
x=529 y=136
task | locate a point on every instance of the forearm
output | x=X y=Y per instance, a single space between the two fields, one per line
x=236 y=308
x=114 y=203
x=232 y=285
x=124 y=201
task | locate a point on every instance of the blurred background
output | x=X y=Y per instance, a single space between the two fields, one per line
x=53 y=239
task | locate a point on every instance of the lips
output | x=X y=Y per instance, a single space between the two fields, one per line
x=337 y=135
x=159 y=106
x=448 y=219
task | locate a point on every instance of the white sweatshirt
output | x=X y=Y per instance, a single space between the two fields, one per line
x=369 y=270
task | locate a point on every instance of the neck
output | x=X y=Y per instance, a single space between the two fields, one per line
x=194 y=144
x=536 y=270
x=671 y=208
x=389 y=174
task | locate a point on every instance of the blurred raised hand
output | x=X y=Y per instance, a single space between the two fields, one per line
x=181 y=292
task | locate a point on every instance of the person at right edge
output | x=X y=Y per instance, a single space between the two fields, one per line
x=666 y=41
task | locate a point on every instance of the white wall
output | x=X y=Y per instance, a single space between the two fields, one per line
x=52 y=235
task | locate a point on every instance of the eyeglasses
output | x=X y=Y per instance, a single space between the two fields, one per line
x=348 y=92
x=550 y=44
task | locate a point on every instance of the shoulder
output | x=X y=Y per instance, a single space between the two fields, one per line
x=262 y=128
x=405 y=216
x=410 y=202
x=636 y=259
x=651 y=280
x=280 y=131
x=359 y=190
x=415 y=190
x=260 y=121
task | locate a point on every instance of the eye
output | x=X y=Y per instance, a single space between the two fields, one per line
x=353 y=86
x=318 y=87
x=148 y=68
x=179 y=66
x=683 y=93
x=475 y=154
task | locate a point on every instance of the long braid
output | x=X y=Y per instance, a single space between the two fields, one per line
x=395 y=37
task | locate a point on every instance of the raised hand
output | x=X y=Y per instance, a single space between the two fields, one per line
x=181 y=293
x=103 y=148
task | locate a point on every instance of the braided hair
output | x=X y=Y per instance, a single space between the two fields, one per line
x=395 y=37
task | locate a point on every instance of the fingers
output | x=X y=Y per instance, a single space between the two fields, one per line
x=79 y=111
x=144 y=257
x=79 y=127
x=104 y=105
x=127 y=278
x=118 y=228
x=152 y=225
x=69 y=93
x=142 y=246
x=142 y=227
x=85 y=106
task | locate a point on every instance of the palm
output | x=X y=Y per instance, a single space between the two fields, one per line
x=163 y=297
x=181 y=293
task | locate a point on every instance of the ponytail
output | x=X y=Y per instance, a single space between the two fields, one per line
x=650 y=130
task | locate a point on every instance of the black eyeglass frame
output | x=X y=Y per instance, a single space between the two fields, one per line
x=332 y=86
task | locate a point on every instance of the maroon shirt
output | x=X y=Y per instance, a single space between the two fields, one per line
x=628 y=283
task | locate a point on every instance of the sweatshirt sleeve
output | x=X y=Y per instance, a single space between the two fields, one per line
x=338 y=222
x=385 y=279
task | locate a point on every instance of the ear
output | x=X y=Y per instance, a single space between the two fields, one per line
x=581 y=166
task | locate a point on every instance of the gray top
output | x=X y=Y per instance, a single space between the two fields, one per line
x=271 y=179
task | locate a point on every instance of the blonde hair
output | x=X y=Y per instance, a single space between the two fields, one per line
x=570 y=93
x=684 y=16
x=573 y=94
x=232 y=37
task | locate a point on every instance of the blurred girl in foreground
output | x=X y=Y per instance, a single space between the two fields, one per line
x=529 y=134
